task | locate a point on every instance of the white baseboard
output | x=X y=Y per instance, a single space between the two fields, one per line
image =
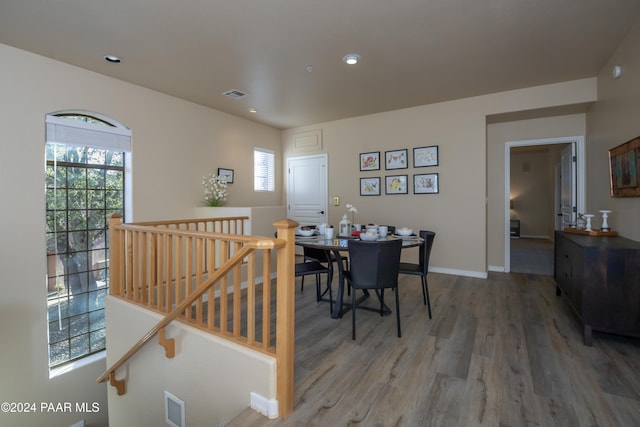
x=496 y=268
x=531 y=236
x=455 y=272
x=264 y=406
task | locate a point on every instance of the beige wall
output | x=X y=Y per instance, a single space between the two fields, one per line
x=498 y=134
x=613 y=120
x=467 y=170
x=212 y=376
x=174 y=144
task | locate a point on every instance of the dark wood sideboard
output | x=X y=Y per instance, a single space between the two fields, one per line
x=600 y=277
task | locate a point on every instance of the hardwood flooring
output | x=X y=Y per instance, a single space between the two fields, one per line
x=532 y=256
x=504 y=352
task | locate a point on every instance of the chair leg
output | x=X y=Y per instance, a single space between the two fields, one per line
x=353 y=315
x=424 y=292
x=330 y=298
x=398 y=312
x=381 y=302
x=302 y=284
x=425 y=289
x=318 y=287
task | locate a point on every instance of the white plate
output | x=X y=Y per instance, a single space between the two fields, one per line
x=411 y=237
x=299 y=237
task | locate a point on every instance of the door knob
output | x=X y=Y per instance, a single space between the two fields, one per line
x=321 y=212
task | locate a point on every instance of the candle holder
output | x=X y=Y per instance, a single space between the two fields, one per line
x=588 y=217
x=605 y=224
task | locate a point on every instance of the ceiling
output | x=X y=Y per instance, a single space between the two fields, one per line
x=414 y=52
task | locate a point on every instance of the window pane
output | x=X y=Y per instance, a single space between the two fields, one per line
x=83 y=186
x=263 y=170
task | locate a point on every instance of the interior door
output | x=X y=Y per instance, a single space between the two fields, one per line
x=307 y=193
x=567 y=185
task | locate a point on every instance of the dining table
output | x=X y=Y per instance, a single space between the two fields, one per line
x=339 y=246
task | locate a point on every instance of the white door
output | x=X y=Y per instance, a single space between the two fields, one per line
x=307 y=194
x=567 y=185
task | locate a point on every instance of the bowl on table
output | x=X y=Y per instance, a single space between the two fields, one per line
x=404 y=231
x=305 y=231
x=369 y=236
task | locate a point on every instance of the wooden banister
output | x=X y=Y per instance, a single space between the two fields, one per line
x=151 y=261
x=233 y=261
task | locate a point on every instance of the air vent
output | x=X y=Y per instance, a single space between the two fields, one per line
x=235 y=94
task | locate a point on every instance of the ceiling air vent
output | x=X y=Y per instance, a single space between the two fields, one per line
x=235 y=94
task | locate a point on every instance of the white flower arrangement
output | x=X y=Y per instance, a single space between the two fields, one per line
x=353 y=210
x=215 y=190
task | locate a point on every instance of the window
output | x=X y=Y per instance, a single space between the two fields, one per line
x=84 y=185
x=263 y=170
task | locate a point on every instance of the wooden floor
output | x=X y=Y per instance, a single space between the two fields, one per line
x=499 y=352
x=532 y=256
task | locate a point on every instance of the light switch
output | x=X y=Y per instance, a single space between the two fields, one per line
x=336 y=201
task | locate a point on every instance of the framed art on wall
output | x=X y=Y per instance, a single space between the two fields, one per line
x=425 y=156
x=370 y=186
x=370 y=161
x=624 y=167
x=426 y=183
x=396 y=159
x=396 y=184
x=226 y=174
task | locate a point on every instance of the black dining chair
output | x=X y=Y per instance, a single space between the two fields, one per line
x=316 y=262
x=422 y=268
x=374 y=265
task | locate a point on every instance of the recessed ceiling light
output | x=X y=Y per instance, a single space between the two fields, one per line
x=113 y=59
x=253 y=110
x=351 y=58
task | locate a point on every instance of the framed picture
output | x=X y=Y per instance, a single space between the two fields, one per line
x=426 y=183
x=226 y=174
x=624 y=166
x=370 y=186
x=396 y=159
x=396 y=184
x=425 y=156
x=370 y=161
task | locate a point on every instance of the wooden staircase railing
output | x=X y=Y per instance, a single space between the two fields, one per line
x=173 y=269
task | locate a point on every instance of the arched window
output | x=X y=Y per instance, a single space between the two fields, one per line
x=85 y=183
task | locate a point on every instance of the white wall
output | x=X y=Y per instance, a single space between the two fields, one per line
x=174 y=143
x=458 y=214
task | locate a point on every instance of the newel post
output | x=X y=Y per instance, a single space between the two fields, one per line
x=285 y=316
x=115 y=256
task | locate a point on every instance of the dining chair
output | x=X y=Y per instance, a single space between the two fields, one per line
x=316 y=262
x=374 y=265
x=422 y=268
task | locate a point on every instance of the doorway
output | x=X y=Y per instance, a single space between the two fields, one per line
x=307 y=189
x=576 y=144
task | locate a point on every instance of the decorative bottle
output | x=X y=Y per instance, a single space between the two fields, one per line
x=344 y=228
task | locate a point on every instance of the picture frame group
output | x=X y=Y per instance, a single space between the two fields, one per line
x=423 y=183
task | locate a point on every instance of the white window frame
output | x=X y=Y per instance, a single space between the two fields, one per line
x=262 y=183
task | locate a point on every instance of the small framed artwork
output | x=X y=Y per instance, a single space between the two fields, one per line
x=624 y=166
x=226 y=174
x=426 y=183
x=370 y=186
x=395 y=159
x=396 y=184
x=370 y=161
x=425 y=156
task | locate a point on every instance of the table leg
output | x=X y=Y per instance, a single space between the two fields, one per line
x=337 y=308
